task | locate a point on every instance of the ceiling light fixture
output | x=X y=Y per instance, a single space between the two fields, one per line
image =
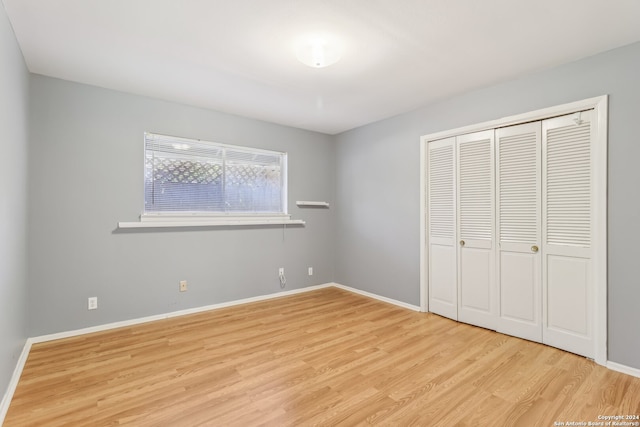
x=317 y=52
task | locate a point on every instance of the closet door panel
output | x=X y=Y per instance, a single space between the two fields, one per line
x=442 y=268
x=567 y=294
x=441 y=224
x=477 y=301
x=519 y=276
x=519 y=230
x=476 y=284
x=567 y=229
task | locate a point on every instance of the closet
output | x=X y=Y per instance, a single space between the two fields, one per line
x=510 y=228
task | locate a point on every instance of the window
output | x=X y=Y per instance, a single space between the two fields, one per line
x=192 y=178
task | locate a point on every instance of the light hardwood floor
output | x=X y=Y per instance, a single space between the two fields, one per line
x=327 y=357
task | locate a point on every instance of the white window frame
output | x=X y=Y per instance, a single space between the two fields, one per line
x=212 y=218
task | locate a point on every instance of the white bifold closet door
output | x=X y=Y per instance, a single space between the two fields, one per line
x=567 y=232
x=441 y=224
x=510 y=223
x=519 y=224
x=544 y=231
x=477 y=302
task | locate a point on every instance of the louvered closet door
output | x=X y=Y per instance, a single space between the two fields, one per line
x=476 y=265
x=567 y=281
x=519 y=224
x=441 y=223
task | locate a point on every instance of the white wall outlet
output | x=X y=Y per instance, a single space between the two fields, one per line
x=281 y=271
x=310 y=271
x=183 y=286
x=92 y=303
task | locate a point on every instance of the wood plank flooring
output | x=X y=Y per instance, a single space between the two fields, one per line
x=327 y=357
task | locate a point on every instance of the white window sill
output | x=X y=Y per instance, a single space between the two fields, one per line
x=213 y=221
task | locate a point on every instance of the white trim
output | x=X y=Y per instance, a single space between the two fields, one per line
x=15 y=378
x=531 y=116
x=131 y=322
x=284 y=177
x=378 y=297
x=211 y=216
x=210 y=222
x=182 y=148
x=13 y=383
x=599 y=244
x=600 y=106
x=424 y=250
x=186 y=140
x=623 y=369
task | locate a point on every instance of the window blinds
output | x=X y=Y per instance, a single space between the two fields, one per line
x=192 y=176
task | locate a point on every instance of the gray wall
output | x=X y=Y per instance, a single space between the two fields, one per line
x=13 y=201
x=85 y=158
x=377 y=199
x=85 y=175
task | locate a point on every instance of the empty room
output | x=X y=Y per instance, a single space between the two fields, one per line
x=319 y=212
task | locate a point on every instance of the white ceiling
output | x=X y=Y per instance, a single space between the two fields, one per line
x=237 y=56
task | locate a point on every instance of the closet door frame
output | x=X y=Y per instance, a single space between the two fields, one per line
x=598 y=210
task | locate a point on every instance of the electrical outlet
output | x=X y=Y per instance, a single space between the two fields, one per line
x=92 y=303
x=183 y=286
x=310 y=271
x=281 y=271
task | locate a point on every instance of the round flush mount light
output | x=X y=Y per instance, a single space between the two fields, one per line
x=318 y=52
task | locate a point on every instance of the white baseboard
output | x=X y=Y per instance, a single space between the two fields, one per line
x=13 y=383
x=6 y=400
x=15 y=378
x=624 y=369
x=131 y=322
x=378 y=297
